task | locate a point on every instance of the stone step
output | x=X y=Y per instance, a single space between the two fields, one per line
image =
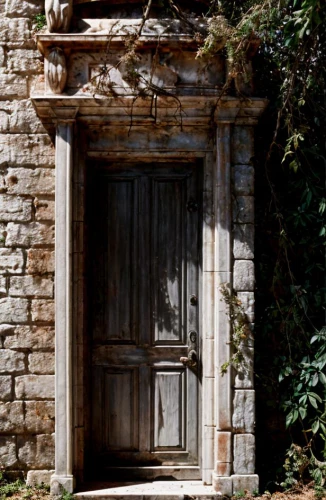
x=155 y=490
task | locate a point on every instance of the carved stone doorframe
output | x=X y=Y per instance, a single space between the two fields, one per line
x=220 y=466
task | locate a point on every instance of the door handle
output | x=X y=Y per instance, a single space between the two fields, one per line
x=191 y=360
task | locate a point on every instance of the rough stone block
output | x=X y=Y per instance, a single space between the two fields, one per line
x=244 y=210
x=15 y=208
x=41 y=362
x=223 y=468
x=30 y=181
x=6 y=329
x=11 y=361
x=244 y=454
x=242 y=145
x=13 y=310
x=222 y=485
x=13 y=86
x=40 y=261
x=3 y=234
x=243 y=419
x=4 y=116
x=24 y=61
x=23 y=118
x=4 y=25
x=38 y=477
x=26 y=149
x=243 y=179
x=3 y=187
x=23 y=8
x=5 y=387
x=36 y=451
x=11 y=261
x=243 y=241
x=7 y=451
x=243 y=275
x=245 y=483
x=29 y=235
x=12 y=417
x=224 y=446
x=2 y=57
x=25 y=337
x=30 y=286
x=15 y=32
x=34 y=387
x=3 y=285
x=44 y=209
x=39 y=417
x=19 y=32
x=248 y=304
x=43 y=310
x=244 y=374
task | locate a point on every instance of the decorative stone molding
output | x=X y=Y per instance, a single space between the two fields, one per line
x=58 y=15
x=57 y=70
x=103 y=132
x=63 y=478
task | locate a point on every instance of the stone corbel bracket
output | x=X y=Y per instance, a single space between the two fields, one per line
x=58 y=15
x=56 y=71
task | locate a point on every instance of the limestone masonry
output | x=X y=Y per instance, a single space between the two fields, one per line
x=220 y=138
x=27 y=251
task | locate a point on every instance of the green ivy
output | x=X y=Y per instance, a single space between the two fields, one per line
x=290 y=228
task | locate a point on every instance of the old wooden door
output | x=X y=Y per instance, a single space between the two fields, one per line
x=143 y=317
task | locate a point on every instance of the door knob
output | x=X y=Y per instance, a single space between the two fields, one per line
x=191 y=360
x=193 y=300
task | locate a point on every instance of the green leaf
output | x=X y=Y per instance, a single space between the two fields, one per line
x=315 y=426
x=323 y=428
x=288 y=420
x=313 y=402
x=314 y=380
x=315 y=396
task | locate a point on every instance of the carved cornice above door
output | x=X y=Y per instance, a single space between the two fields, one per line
x=170 y=86
x=200 y=111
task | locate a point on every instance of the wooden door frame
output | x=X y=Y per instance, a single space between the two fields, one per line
x=198 y=138
x=206 y=290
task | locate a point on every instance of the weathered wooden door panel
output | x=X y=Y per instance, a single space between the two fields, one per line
x=143 y=269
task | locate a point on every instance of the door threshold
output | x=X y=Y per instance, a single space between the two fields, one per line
x=152 y=490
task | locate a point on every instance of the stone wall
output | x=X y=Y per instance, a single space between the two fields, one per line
x=26 y=251
x=27 y=269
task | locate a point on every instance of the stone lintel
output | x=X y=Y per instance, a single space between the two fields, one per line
x=118 y=109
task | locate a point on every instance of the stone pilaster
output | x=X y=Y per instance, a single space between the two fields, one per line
x=62 y=479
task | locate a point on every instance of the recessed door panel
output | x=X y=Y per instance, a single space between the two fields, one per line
x=169 y=409
x=168 y=259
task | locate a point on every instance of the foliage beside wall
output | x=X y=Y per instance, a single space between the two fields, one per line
x=290 y=233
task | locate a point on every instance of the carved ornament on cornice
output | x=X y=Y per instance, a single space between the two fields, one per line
x=57 y=70
x=58 y=15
